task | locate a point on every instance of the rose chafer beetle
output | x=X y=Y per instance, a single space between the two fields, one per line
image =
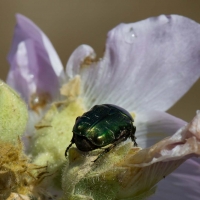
x=102 y=125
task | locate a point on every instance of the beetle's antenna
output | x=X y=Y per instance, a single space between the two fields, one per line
x=68 y=148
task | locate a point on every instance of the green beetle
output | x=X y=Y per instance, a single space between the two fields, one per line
x=102 y=125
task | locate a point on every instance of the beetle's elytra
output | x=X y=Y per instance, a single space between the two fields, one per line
x=102 y=125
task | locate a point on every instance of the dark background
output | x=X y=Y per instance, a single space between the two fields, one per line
x=69 y=23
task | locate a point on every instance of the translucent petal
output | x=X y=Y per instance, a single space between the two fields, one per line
x=153 y=126
x=165 y=156
x=147 y=65
x=183 y=183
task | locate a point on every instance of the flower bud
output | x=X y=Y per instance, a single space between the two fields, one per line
x=13 y=114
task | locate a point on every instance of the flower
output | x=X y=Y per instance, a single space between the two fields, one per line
x=147 y=66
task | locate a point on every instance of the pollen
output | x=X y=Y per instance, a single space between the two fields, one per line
x=133 y=115
x=17 y=174
x=72 y=89
x=89 y=60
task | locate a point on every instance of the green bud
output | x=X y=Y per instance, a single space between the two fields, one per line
x=13 y=114
x=107 y=178
x=53 y=135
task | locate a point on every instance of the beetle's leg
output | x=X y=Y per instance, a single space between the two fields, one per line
x=105 y=151
x=133 y=138
x=72 y=142
x=110 y=147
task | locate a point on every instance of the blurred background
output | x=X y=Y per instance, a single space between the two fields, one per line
x=69 y=23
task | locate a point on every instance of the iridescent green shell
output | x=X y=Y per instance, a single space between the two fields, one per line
x=102 y=125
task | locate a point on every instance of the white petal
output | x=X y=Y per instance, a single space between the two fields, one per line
x=153 y=126
x=183 y=183
x=77 y=58
x=148 y=65
x=161 y=159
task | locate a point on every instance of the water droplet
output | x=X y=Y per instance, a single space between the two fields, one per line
x=164 y=18
x=39 y=101
x=130 y=35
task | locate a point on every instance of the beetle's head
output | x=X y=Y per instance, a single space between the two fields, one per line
x=83 y=143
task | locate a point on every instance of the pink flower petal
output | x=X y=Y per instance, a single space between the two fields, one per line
x=183 y=183
x=184 y=142
x=153 y=126
x=148 y=65
x=161 y=159
x=35 y=66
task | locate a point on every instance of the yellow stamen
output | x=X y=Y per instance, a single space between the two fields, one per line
x=72 y=88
